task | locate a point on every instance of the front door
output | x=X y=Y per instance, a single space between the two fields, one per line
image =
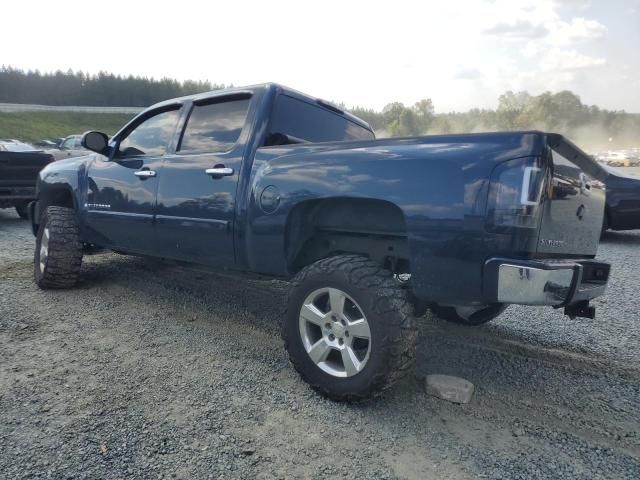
x=197 y=185
x=122 y=188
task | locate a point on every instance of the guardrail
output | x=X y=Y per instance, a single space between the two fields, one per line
x=23 y=107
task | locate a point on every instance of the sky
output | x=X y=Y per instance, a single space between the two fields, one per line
x=461 y=54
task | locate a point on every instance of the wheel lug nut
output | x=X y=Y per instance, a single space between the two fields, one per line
x=343 y=322
x=346 y=333
x=332 y=337
x=327 y=325
x=341 y=342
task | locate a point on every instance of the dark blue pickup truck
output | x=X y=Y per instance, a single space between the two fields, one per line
x=370 y=233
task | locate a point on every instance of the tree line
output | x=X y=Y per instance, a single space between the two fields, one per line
x=100 y=90
x=562 y=112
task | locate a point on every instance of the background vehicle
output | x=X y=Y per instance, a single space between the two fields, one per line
x=20 y=164
x=623 y=201
x=12 y=145
x=267 y=180
x=618 y=159
x=48 y=143
x=69 y=147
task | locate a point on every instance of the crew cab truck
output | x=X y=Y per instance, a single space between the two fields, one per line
x=265 y=180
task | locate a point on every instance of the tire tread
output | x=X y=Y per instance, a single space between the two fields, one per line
x=391 y=301
x=65 y=249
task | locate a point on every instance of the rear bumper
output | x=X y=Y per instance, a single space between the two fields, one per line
x=557 y=283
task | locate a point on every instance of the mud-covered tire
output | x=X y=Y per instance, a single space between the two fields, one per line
x=22 y=209
x=58 y=253
x=478 y=318
x=387 y=309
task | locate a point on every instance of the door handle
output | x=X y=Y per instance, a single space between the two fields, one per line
x=219 y=171
x=145 y=173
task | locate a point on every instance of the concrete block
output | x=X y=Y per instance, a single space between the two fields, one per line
x=452 y=389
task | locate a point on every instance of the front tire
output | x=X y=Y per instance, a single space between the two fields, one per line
x=58 y=253
x=349 y=328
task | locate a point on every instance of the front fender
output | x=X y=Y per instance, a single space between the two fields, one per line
x=63 y=183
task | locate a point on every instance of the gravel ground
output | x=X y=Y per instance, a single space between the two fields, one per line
x=146 y=370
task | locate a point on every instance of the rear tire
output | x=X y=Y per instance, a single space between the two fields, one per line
x=22 y=209
x=478 y=318
x=58 y=254
x=353 y=318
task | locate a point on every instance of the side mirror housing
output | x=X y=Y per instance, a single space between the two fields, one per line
x=95 y=141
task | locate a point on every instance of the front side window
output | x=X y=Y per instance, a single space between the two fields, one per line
x=151 y=137
x=214 y=127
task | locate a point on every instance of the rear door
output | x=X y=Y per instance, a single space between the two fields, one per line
x=573 y=210
x=197 y=185
x=122 y=189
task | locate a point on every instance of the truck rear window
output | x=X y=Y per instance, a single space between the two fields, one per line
x=314 y=123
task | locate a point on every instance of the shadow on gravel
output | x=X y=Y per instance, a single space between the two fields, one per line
x=264 y=300
x=494 y=357
x=9 y=217
x=621 y=238
x=108 y=268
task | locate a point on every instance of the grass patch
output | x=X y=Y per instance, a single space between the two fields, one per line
x=32 y=126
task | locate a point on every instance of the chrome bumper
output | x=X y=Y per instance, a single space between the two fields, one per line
x=544 y=282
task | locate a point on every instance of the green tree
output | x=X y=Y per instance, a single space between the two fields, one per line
x=425 y=113
x=512 y=109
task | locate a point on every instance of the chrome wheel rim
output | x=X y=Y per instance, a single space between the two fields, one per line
x=44 y=248
x=335 y=332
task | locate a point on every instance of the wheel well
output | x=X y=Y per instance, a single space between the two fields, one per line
x=59 y=197
x=320 y=228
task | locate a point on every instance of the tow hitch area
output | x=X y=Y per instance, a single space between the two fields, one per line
x=580 y=309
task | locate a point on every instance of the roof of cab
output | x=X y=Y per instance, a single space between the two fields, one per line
x=263 y=86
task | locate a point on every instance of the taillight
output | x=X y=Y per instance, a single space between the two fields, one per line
x=515 y=193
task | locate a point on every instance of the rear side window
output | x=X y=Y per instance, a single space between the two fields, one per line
x=314 y=123
x=214 y=127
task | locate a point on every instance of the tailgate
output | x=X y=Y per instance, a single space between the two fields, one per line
x=573 y=208
x=19 y=169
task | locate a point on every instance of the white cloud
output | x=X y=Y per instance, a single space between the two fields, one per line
x=576 y=30
x=549 y=44
x=518 y=29
x=361 y=52
x=468 y=74
x=557 y=59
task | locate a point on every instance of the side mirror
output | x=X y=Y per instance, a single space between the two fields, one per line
x=95 y=141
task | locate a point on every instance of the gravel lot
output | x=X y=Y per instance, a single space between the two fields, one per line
x=150 y=371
